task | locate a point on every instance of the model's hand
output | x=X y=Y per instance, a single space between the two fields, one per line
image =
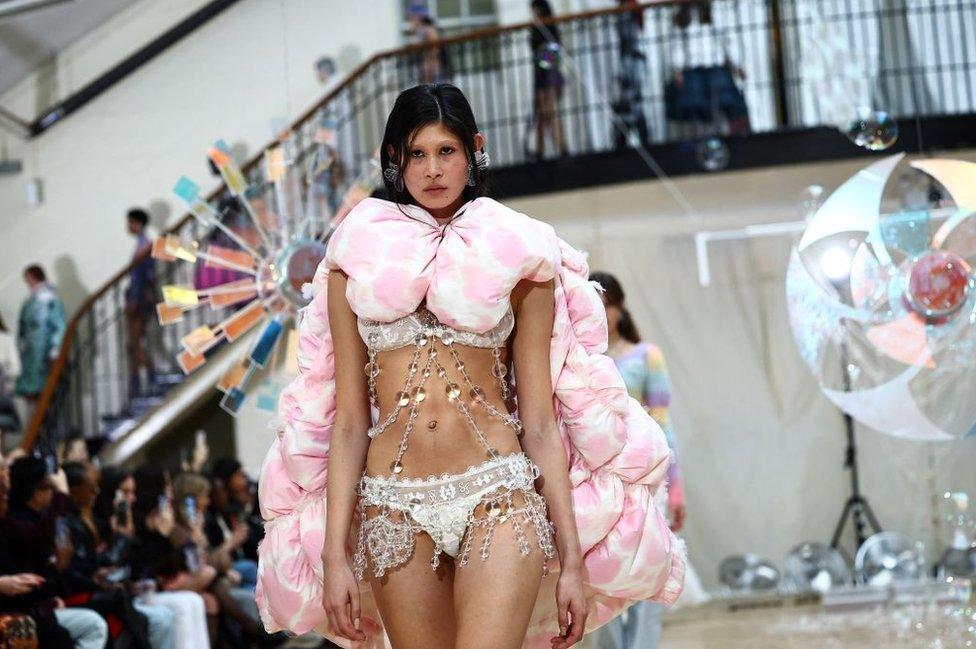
x=571 y=608
x=341 y=600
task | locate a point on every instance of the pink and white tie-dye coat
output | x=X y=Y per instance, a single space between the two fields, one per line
x=396 y=257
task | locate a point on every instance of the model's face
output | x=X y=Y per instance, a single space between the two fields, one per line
x=132 y=226
x=437 y=168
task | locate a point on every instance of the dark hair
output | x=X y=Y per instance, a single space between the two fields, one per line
x=542 y=7
x=224 y=468
x=150 y=485
x=614 y=294
x=27 y=475
x=35 y=271
x=138 y=215
x=682 y=17
x=420 y=106
x=75 y=472
x=108 y=484
x=326 y=63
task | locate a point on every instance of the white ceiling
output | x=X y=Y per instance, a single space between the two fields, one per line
x=28 y=40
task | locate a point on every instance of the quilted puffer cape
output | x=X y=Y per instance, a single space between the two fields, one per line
x=396 y=257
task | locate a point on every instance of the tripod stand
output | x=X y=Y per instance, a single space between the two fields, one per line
x=857 y=506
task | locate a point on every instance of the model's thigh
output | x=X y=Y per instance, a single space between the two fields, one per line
x=416 y=602
x=494 y=598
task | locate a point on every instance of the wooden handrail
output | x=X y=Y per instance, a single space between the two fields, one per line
x=57 y=368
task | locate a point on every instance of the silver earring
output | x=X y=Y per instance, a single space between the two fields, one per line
x=471 y=178
x=481 y=159
x=392 y=175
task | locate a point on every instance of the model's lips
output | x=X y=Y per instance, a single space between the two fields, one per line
x=435 y=189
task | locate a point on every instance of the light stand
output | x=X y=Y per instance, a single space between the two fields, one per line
x=857 y=506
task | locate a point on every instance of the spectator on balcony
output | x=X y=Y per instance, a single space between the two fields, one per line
x=40 y=330
x=548 y=80
x=628 y=107
x=9 y=371
x=702 y=90
x=433 y=60
x=140 y=300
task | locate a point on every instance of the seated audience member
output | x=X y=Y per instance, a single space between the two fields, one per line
x=37 y=542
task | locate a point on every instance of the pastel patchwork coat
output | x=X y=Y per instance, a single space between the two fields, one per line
x=396 y=257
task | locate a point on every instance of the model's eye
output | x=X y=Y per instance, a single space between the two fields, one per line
x=416 y=153
x=448 y=150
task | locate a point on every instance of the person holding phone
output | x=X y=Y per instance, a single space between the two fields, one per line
x=35 y=500
x=210 y=570
x=90 y=576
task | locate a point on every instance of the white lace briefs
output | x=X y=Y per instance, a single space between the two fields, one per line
x=443 y=507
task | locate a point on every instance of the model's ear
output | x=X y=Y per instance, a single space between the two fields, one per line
x=479 y=142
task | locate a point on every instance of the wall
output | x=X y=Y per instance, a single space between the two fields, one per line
x=760 y=447
x=227 y=80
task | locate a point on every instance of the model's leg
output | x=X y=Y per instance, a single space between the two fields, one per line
x=494 y=598
x=416 y=602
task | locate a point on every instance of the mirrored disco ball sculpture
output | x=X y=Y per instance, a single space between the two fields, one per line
x=888 y=558
x=748 y=573
x=258 y=254
x=874 y=130
x=882 y=303
x=815 y=567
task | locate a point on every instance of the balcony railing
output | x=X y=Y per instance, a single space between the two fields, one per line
x=914 y=60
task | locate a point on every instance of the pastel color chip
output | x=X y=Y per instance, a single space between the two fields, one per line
x=186 y=189
x=167 y=314
x=232 y=293
x=234 y=258
x=189 y=361
x=232 y=378
x=232 y=401
x=198 y=339
x=275 y=160
x=159 y=250
x=242 y=321
x=176 y=248
x=267 y=401
x=180 y=296
x=220 y=158
x=266 y=343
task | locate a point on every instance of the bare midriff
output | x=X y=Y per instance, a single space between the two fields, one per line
x=441 y=439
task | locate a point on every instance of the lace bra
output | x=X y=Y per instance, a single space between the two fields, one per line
x=384 y=336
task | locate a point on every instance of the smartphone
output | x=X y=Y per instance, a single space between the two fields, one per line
x=62 y=534
x=162 y=503
x=191 y=557
x=190 y=507
x=51 y=462
x=121 y=509
x=117 y=575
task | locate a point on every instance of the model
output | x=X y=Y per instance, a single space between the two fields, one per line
x=417 y=500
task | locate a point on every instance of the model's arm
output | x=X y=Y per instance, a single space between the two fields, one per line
x=347 y=457
x=534 y=314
